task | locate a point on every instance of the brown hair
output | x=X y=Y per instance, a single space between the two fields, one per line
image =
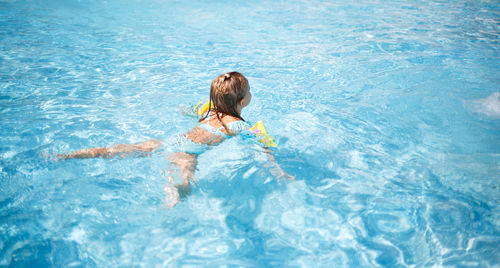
x=225 y=92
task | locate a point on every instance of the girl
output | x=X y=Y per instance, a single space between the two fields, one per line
x=229 y=93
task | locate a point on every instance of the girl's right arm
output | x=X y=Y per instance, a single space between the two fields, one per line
x=276 y=169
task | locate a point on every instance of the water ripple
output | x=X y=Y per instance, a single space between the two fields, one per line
x=386 y=113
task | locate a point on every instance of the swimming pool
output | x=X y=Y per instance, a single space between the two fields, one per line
x=387 y=113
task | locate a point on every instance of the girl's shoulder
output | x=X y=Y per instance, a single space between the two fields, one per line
x=237 y=126
x=234 y=125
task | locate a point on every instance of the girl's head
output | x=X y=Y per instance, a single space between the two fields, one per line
x=229 y=93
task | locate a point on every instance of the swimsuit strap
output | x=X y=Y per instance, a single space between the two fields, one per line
x=235 y=127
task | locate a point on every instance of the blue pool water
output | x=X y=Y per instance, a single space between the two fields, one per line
x=386 y=112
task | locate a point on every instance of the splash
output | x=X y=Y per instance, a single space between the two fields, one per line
x=489 y=105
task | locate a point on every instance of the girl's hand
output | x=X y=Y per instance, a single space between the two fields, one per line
x=276 y=169
x=280 y=174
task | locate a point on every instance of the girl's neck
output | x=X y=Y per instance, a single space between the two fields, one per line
x=224 y=117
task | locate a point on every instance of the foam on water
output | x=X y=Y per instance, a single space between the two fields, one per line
x=489 y=105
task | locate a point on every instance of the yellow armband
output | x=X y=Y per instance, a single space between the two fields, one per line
x=260 y=131
x=200 y=110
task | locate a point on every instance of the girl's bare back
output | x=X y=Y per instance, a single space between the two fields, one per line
x=200 y=135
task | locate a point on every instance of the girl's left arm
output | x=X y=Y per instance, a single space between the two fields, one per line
x=123 y=150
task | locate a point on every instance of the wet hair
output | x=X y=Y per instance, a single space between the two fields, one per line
x=226 y=91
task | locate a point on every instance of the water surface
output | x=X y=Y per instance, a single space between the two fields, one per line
x=386 y=112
